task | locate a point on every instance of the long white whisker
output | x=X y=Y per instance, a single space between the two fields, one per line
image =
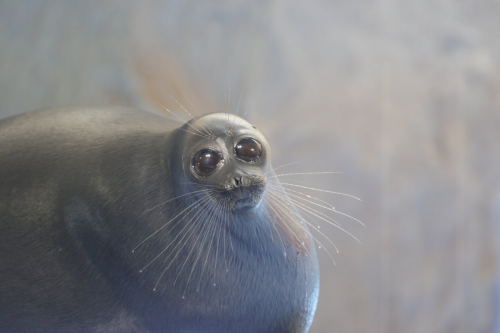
x=205 y=201
x=211 y=236
x=205 y=225
x=187 y=122
x=177 y=250
x=319 y=190
x=282 y=204
x=200 y=135
x=330 y=209
x=296 y=202
x=165 y=225
x=298 y=239
x=239 y=101
x=220 y=211
x=304 y=173
x=177 y=197
x=288 y=191
x=277 y=232
x=281 y=166
x=309 y=210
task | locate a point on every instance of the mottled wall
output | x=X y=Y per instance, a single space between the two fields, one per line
x=401 y=96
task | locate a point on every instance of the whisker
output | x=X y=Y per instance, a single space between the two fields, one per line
x=319 y=190
x=311 y=235
x=295 y=216
x=187 y=122
x=287 y=191
x=229 y=84
x=304 y=173
x=170 y=244
x=330 y=209
x=226 y=227
x=207 y=129
x=299 y=203
x=182 y=107
x=281 y=166
x=206 y=201
x=239 y=101
x=349 y=216
x=308 y=209
x=242 y=118
x=194 y=226
x=211 y=236
x=298 y=239
x=269 y=217
x=177 y=197
x=194 y=107
x=277 y=232
x=165 y=225
x=205 y=225
x=220 y=211
x=200 y=135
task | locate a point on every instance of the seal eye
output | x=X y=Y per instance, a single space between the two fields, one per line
x=205 y=161
x=248 y=150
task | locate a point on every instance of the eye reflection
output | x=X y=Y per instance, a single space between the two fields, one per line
x=248 y=150
x=205 y=162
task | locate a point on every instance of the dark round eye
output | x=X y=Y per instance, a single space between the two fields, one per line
x=205 y=161
x=248 y=150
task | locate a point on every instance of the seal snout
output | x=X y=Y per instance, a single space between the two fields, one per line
x=247 y=191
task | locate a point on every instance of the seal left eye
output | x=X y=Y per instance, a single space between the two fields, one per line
x=248 y=150
x=205 y=162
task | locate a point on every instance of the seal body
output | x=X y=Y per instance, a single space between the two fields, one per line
x=117 y=220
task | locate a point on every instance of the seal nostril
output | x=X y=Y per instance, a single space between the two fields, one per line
x=236 y=182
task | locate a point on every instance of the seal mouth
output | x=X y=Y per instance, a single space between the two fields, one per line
x=244 y=198
x=244 y=203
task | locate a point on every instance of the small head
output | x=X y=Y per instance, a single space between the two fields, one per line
x=227 y=157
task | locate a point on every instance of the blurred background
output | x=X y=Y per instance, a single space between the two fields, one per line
x=403 y=97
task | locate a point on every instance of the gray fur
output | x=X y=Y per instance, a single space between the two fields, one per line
x=87 y=197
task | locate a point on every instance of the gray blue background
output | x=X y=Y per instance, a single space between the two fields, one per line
x=403 y=97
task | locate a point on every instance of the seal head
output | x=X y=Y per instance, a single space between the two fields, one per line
x=228 y=157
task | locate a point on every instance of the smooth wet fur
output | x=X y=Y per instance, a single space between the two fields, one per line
x=105 y=226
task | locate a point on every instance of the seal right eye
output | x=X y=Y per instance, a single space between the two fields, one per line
x=205 y=162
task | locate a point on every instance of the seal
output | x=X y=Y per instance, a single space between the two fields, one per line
x=118 y=220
